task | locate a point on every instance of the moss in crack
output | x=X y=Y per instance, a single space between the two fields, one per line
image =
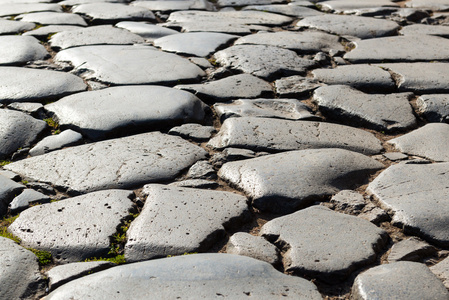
x=44 y=257
x=53 y=125
x=4 y=224
x=4 y=162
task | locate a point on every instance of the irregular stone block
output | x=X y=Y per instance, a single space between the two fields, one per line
x=52 y=18
x=18 y=50
x=349 y=201
x=290 y=9
x=113 y=12
x=54 y=142
x=435 y=107
x=168 y=6
x=441 y=270
x=196 y=183
x=45 y=31
x=295 y=86
x=201 y=170
x=14 y=9
x=242 y=243
x=429 y=4
x=12 y=27
x=149 y=32
x=419 y=29
x=411 y=249
x=225 y=3
x=27 y=197
x=8 y=190
x=346 y=6
x=193 y=131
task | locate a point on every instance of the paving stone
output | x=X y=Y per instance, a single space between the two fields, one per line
x=224 y=3
x=348 y=201
x=361 y=77
x=290 y=109
x=417 y=196
x=62 y=274
x=196 y=183
x=177 y=220
x=395 y=156
x=123 y=65
x=237 y=154
x=233 y=22
x=285 y=182
x=191 y=276
x=345 y=6
x=88 y=223
x=420 y=77
x=54 y=142
x=434 y=107
x=411 y=249
x=194 y=43
x=295 y=86
x=119 y=163
x=429 y=4
x=301 y=42
x=18 y=50
x=175 y=5
x=430 y=141
x=400 y=280
x=382 y=112
x=77 y=2
x=361 y=27
x=45 y=31
x=12 y=27
x=27 y=197
x=290 y=9
x=113 y=12
x=441 y=270
x=242 y=243
x=111 y=111
x=411 y=14
x=95 y=35
x=400 y=49
x=374 y=214
x=52 y=18
x=418 y=29
x=149 y=32
x=11 y=175
x=25 y=85
x=193 y=131
x=8 y=190
x=263 y=134
x=237 y=86
x=317 y=237
x=268 y=62
x=13 y=9
x=20 y=272
x=17 y=130
x=34 y=109
x=201 y=170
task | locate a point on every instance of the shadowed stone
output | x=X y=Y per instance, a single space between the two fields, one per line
x=348 y=201
x=417 y=29
x=12 y=27
x=27 y=197
x=290 y=9
x=88 y=223
x=192 y=276
x=441 y=270
x=435 y=108
x=400 y=280
x=52 y=18
x=123 y=65
x=177 y=220
x=285 y=182
x=20 y=8
x=174 y=5
x=18 y=50
x=263 y=134
x=193 y=131
x=201 y=170
x=45 y=31
x=317 y=240
x=149 y=32
x=242 y=243
x=113 y=12
x=118 y=163
x=8 y=190
x=417 y=195
x=411 y=249
x=54 y=142
x=295 y=86
x=267 y=62
x=430 y=141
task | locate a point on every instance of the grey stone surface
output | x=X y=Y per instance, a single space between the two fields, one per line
x=301 y=42
x=382 y=112
x=21 y=8
x=417 y=29
x=201 y=170
x=193 y=131
x=18 y=50
x=196 y=183
x=362 y=77
x=178 y=220
x=10 y=175
x=107 y=112
x=348 y=201
x=8 y=190
x=149 y=32
x=19 y=269
x=17 y=130
x=224 y=3
x=441 y=270
x=175 y=5
x=374 y=214
x=24 y=85
x=52 y=18
x=429 y=4
x=347 y=6
x=113 y=12
x=264 y=134
x=317 y=240
x=295 y=86
x=242 y=243
x=291 y=109
x=411 y=249
x=434 y=107
x=89 y=222
x=27 y=197
x=34 y=109
x=288 y=181
x=289 y=9
x=415 y=194
x=237 y=86
x=118 y=163
x=400 y=280
x=361 y=27
x=123 y=65
x=268 y=62
x=395 y=156
x=399 y=49
x=430 y=141
x=77 y=2
x=191 y=276
x=94 y=35
x=12 y=27
x=62 y=274
x=45 y=31
x=54 y=142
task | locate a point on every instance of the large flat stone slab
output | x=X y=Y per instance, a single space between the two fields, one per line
x=268 y=62
x=242 y=243
x=434 y=107
x=27 y=85
x=295 y=86
x=417 y=196
x=13 y=9
x=120 y=163
x=44 y=31
x=347 y=6
x=179 y=220
x=227 y=3
x=111 y=111
x=191 y=276
x=113 y=12
x=429 y=4
x=149 y=32
x=18 y=50
x=441 y=270
x=13 y=27
x=52 y=18
x=416 y=29
x=316 y=240
x=54 y=142
x=290 y=9
x=74 y=229
x=174 y=5
x=285 y=182
x=273 y=135
x=121 y=65
x=8 y=190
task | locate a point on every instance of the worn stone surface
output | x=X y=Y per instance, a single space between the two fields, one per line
x=288 y=181
x=149 y=32
x=429 y=4
x=17 y=50
x=441 y=270
x=196 y=183
x=27 y=197
x=242 y=243
x=395 y=156
x=52 y=18
x=201 y=170
x=347 y=6
x=264 y=134
x=34 y=109
x=8 y=190
x=348 y=201
x=417 y=29
x=113 y=12
x=289 y=9
x=12 y=27
x=54 y=142
x=45 y=31
x=400 y=280
x=13 y=9
x=89 y=221
x=317 y=240
x=193 y=131
x=412 y=249
x=224 y=3
x=295 y=86
x=122 y=65
x=434 y=107
x=175 y=5
x=119 y=163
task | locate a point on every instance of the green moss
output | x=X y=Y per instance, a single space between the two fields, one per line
x=185 y=253
x=5 y=222
x=119 y=259
x=44 y=257
x=4 y=162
